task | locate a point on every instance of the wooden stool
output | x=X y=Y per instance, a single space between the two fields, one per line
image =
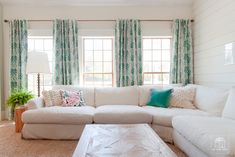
x=18 y=122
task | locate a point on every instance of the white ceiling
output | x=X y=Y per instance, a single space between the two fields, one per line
x=96 y=2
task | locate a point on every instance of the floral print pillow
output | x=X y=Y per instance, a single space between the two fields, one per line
x=73 y=98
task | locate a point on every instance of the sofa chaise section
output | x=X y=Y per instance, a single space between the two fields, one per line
x=162 y=119
x=211 y=136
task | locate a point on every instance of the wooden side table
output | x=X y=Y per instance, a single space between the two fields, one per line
x=18 y=121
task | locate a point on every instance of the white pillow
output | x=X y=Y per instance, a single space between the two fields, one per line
x=211 y=100
x=183 y=97
x=229 y=109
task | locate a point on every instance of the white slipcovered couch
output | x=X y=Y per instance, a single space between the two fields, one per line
x=127 y=105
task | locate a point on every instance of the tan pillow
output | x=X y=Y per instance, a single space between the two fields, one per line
x=52 y=98
x=183 y=97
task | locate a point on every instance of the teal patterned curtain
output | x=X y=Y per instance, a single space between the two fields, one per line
x=19 y=50
x=128 y=53
x=65 y=36
x=182 y=53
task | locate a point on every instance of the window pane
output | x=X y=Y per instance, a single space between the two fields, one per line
x=166 y=44
x=166 y=79
x=156 y=56
x=166 y=55
x=88 y=44
x=156 y=66
x=107 y=67
x=88 y=79
x=148 y=67
x=107 y=78
x=48 y=45
x=39 y=45
x=157 y=78
x=157 y=44
x=165 y=66
x=30 y=45
x=107 y=55
x=47 y=80
x=89 y=67
x=98 y=56
x=147 y=44
x=88 y=55
x=147 y=55
x=98 y=44
x=148 y=79
x=98 y=67
x=107 y=44
x=98 y=79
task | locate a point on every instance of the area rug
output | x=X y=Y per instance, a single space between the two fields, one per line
x=11 y=145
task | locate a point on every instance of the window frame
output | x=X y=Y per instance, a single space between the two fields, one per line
x=97 y=73
x=43 y=86
x=152 y=61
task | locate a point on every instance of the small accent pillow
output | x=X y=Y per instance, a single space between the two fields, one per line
x=73 y=98
x=52 y=98
x=183 y=97
x=159 y=98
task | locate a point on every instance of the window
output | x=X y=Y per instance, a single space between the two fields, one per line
x=98 y=61
x=156 y=56
x=41 y=44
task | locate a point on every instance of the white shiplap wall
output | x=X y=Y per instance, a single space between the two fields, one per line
x=214 y=26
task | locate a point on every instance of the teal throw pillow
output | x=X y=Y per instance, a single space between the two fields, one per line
x=159 y=98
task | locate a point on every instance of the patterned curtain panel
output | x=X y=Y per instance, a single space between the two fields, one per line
x=65 y=36
x=128 y=53
x=182 y=53
x=19 y=50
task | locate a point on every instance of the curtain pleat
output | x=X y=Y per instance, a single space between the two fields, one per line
x=19 y=51
x=182 y=53
x=65 y=36
x=128 y=53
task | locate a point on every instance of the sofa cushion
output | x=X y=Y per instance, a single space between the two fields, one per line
x=121 y=114
x=163 y=116
x=209 y=134
x=210 y=99
x=229 y=109
x=116 y=95
x=88 y=92
x=59 y=115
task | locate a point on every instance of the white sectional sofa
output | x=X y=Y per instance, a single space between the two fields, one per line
x=127 y=105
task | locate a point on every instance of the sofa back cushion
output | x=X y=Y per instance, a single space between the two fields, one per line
x=116 y=96
x=88 y=92
x=229 y=109
x=211 y=100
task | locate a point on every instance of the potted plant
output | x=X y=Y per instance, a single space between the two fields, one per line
x=18 y=98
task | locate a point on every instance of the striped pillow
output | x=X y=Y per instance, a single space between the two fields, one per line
x=52 y=98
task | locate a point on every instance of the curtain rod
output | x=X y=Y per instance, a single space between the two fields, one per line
x=147 y=20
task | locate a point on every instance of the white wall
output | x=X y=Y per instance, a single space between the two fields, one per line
x=106 y=28
x=214 y=26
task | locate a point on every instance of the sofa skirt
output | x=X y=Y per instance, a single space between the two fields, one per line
x=164 y=132
x=52 y=131
x=186 y=146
